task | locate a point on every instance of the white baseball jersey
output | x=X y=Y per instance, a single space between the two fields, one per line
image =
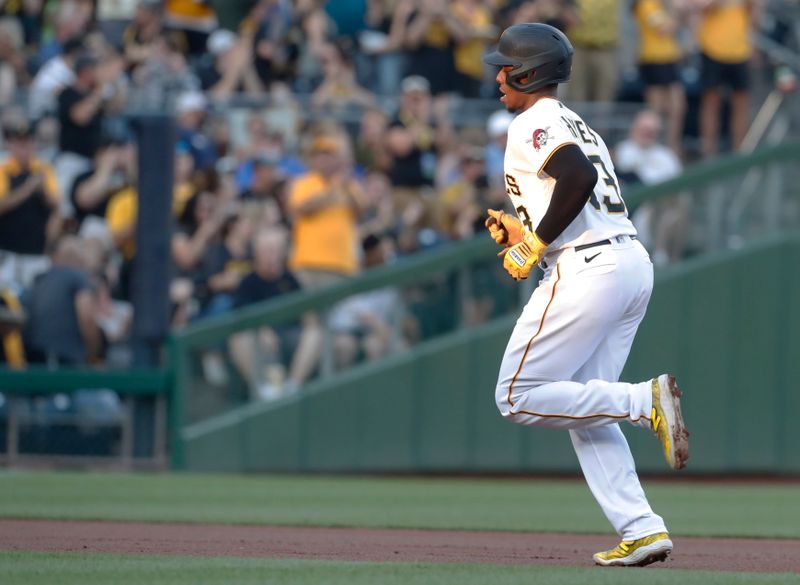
x=533 y=137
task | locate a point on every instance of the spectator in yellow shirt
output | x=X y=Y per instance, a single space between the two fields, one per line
x=723 y=34
x=324 y=205
x=659 y=63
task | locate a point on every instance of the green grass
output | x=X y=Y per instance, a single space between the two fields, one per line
x=80 y=569
x=712 y=509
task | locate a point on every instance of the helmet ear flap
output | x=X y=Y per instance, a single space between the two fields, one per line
x=523 y=81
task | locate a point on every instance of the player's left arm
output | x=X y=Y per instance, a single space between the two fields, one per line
x=575 y=178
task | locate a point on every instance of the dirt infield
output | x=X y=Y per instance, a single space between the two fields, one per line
x=380 y=545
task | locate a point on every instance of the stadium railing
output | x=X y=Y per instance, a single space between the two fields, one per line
x=46 y=420
x=733 y=199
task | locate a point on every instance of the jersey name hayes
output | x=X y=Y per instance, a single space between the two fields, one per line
x=579 y=130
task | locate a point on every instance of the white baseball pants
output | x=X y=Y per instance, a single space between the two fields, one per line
x=562 y=365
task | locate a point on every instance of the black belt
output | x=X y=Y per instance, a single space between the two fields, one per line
x=593 y=245
x=600 y=243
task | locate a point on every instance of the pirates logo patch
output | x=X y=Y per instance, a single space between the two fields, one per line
x=540 y=138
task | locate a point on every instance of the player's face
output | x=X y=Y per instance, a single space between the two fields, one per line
x=511 y=98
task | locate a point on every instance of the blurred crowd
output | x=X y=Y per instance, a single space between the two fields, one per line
x=351 y=157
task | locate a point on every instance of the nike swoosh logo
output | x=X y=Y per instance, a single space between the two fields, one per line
x=588 y=259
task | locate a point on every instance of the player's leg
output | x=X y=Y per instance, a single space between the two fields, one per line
x=566 y=320
x=608 y=465
x=603 y=452
x=610 y=472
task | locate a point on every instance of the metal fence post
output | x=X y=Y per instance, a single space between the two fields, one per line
x=180 y=371
x=126 y=440
x=12 y=430
x=463 y=288
x=160 y=439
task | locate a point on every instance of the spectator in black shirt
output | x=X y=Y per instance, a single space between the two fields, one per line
x=260 y=355
x=80 y=110
x=200 y=225
x=270 y=277
x=29 y=216
x=414 y=138
x=223 y=266
x=80 y=114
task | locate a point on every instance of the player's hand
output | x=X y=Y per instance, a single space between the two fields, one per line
x=505 y=229
x=519 y=259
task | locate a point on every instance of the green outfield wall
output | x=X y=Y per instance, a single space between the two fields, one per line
x=728 y=325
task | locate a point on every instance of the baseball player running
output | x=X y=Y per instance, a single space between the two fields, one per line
x=562 y=363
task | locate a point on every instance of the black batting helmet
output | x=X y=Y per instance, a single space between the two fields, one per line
x=540 y=55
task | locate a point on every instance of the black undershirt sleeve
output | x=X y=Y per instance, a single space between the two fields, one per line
x=575 y=177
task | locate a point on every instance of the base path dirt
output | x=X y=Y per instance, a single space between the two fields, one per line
x=426 y=546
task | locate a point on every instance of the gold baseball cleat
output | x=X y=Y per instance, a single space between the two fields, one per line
x=637 y=553
x=666 y=421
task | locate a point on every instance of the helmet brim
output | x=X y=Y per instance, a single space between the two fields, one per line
x=497 y=58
